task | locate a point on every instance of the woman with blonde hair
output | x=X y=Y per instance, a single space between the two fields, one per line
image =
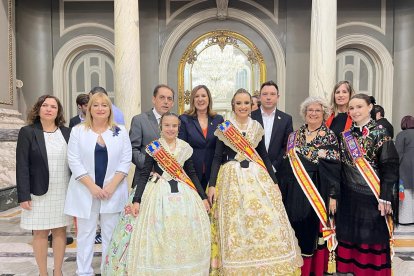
x=339 y=120
x=99 y=155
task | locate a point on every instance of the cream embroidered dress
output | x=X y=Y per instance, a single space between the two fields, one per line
x=251 y=233
x=171 y=234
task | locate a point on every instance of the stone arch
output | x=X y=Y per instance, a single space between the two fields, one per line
x=382 y=61
x=65 y=56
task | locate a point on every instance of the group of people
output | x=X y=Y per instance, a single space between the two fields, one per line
x=242 y=196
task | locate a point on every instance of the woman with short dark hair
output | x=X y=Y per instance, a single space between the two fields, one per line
x=42 y=176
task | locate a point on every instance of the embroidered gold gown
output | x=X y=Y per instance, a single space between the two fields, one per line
x=251 y=233
x=171 y=234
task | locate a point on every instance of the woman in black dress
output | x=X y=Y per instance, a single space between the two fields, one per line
x=339 y=120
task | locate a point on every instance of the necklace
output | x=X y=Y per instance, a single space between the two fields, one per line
x=242 y=125
x=309 y=132
x=49 y=134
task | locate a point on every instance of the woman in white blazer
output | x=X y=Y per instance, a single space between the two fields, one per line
x=99 y=156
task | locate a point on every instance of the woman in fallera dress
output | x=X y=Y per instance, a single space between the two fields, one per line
x=369 y=174
x=171 y=234
x=312 y=151
x=251 y=233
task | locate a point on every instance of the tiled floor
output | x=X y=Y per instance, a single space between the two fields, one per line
x=16 y=253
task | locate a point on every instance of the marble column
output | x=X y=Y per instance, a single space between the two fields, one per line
x=322 y=48
x=403 y=98
x=34 y=51
x=127 y=58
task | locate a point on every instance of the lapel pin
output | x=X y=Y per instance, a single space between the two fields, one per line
x=279 y=117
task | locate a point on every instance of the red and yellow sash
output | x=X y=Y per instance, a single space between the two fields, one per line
x=368 y=173
x=240 y=143
x=168 y=163
x=312 y=193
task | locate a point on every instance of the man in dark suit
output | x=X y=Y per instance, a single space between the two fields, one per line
x=145 y=126
x=277 y=124
x=82 y=103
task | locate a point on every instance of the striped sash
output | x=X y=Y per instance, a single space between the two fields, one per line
x=370 y=177
x=311 y=193
x=240 y=143
x=168 y=163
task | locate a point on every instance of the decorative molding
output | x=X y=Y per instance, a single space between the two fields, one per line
x=10 y=50
x=222 y=6
x=237 y=15
x=220 y=38
x=170 y=17
x=63 y=30
x=64 y=58
x=354 y=68
x=383 y=63
x=380 y=28
x=274 y=16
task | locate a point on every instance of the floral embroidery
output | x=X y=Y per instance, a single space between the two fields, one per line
x=365 y=131
x=128 y=228
x=370 y=139
x=324 y=145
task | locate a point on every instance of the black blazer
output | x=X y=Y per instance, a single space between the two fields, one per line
x=32 y=169
x=282 y=127
x=203 y=148
x=74 y=121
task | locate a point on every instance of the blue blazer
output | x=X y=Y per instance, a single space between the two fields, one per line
x=190 y=131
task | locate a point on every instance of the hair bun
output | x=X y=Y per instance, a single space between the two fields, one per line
x=372 y=98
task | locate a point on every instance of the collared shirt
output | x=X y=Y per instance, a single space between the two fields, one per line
x=268 y=125
x=157 y=115
x=81 y=118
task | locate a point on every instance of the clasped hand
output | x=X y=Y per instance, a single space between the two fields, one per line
x=104 y=193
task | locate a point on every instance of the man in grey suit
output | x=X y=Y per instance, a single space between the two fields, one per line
x=144 y=127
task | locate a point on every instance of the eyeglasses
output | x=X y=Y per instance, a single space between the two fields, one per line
x=313 y=111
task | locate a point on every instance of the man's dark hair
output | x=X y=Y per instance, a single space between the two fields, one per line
x=269 y=83
x=97 y=89
x=160 y=86
x=82 y=99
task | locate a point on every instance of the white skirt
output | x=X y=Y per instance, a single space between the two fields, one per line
x=171 y=235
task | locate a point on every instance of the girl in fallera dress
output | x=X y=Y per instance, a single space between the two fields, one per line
x=369 y=174
x=171 y=235
x=251 y=233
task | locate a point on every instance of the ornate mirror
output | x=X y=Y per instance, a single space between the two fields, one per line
x=224 y=61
